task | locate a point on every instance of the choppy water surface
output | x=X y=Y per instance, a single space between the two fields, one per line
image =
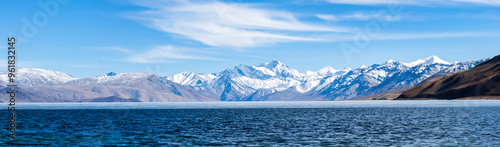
x=434 y=123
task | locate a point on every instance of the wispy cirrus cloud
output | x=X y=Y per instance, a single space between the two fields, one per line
x=485 y=2
x=403 y=36
x=363 y=16
x=372 y=2
x=223 y=24
x=415 y=2
x=239 y=25
x=407 y=36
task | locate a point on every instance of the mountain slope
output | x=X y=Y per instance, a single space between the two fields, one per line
x=387 y=77
x=26 y=95
x=142 y=86
x=237 y=83
x=482 y=80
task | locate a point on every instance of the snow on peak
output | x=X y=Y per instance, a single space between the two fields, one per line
x=276 y=68
x=275 y=63
x=325 y=71
x=36 y=77
x=135 y=75
x=435 y=59
x=427 y=61
x=390 y=61
x=186 y=73
x=271 y=65
x=190 y=78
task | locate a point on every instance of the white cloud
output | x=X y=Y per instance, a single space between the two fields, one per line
x=485 y=2
x=222 y=24
x=327 y=17
x=358 y=16
x=428 y=35
x=372 y=2
x=405 y=36
x=415 y=2
x=238 y=25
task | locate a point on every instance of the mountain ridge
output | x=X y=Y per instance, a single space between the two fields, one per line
x=326 y=83
x=258 y=82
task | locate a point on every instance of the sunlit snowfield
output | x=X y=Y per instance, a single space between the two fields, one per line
x=259 y=123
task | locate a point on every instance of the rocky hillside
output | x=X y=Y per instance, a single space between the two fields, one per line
x=480 y=81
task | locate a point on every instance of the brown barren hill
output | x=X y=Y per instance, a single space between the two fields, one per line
x=482 y=81
x=392 y=95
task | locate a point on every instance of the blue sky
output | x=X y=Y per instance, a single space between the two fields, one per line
x=85 y=38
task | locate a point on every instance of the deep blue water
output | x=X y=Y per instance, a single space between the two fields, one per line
x=425 y=123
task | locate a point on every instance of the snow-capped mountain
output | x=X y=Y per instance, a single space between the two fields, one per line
x=191 y=79
x=243 y=80
x=36 y=77
x=380 y=78
x=319 y=79
x=39 y=85
x=276 y=79
x=428 y=60
x=259 y=82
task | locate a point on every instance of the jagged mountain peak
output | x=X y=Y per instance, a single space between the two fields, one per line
x=325 y=71
x=274 y=68
x=190 y=78
x=187 y=73
x=326 y=82
x=271 y=65
x=275 y=63
x=434 y=59
x=391 y=61
x=428 y=61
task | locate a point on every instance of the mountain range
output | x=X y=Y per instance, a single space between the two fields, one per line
x=273 y=81
x=276 y=81
x=40 y=85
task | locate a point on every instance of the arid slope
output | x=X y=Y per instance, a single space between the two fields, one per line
x=480 y=81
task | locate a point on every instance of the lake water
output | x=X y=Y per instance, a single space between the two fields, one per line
x=375 y=123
